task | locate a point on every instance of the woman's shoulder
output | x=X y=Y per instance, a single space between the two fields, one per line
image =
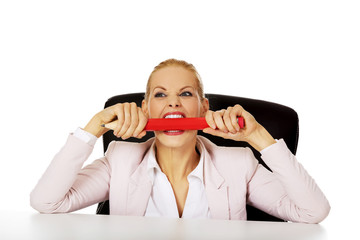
x=127 y=150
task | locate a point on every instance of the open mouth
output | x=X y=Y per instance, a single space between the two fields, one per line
x=174 y=115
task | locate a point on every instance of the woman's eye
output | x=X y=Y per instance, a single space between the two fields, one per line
x=186 y=94
x=157 y=95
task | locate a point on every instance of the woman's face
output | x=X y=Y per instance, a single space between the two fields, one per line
x=173 y=94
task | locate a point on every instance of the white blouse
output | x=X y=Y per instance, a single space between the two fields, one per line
x=162 y=200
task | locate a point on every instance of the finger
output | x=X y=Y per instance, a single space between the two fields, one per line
x=141 y=124
x=141 y=135
x=214 y=132
x=237 y=112
x=119 y=111
x=250 y=121
x=218 y=117
x=134 y=120
x=210 y=119
x=227 y=120
x=127 y=120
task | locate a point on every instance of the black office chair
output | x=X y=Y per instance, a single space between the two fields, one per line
x=279 y=120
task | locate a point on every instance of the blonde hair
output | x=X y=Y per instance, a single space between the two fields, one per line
x=179 y=63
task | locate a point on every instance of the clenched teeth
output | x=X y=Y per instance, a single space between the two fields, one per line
x=174 y=116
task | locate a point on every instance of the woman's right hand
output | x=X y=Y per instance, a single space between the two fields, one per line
x=131 y=121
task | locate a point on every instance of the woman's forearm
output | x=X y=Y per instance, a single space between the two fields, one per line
x=60 y=176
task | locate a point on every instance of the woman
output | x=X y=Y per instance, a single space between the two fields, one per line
x=177 y=173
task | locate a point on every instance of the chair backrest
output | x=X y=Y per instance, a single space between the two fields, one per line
x=281 y=122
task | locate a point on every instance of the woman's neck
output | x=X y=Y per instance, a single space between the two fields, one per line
x=177 y=163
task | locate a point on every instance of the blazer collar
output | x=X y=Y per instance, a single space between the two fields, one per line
x=215 y=185
x=139 y=190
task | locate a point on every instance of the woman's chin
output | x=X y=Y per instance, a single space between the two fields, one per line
x=176 y=138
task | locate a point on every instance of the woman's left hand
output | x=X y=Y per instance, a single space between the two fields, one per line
x=223 y=123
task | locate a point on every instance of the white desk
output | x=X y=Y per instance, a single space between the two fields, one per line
x=81 y=226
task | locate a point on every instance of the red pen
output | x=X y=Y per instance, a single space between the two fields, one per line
x=166 y=124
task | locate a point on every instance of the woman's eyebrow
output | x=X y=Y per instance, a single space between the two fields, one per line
x=161 y=87
x=186 y=87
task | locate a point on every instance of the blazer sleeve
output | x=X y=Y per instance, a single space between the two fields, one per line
x=288 y=192
x=65 y=186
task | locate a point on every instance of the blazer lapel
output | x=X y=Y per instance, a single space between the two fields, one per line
x=216 y=190
x=139 y=191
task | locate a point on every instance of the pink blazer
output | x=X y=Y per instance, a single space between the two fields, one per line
x=232 y=178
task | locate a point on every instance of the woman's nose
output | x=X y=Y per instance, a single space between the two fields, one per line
x=174 y=102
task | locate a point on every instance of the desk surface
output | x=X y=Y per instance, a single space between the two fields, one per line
x=82 y=226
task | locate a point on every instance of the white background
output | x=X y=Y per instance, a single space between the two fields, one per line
x=61 y=60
